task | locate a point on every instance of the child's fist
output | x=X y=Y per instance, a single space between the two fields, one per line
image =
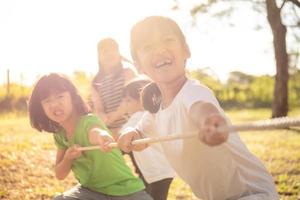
x=104 y=140
x=124 y=141
x=126 y=138
x=73 y=152
x=208 y=131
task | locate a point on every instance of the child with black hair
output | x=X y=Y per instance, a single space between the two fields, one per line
x=153 y=166
x=216 y=166
x=56 y=107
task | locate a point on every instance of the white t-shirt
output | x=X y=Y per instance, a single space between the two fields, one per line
x=226 y=171
x=151 y=161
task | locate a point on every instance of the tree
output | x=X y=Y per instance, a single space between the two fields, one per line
x=275 y=17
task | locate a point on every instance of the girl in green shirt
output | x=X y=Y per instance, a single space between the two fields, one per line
x=56 y=107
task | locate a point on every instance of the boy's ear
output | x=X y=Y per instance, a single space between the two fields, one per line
x=187 y=50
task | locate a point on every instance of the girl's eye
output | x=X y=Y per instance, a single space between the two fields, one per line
x=46 y=102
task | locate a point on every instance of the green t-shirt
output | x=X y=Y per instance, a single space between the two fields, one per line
x=102 y=172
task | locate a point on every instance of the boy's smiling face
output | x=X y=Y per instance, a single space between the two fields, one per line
x=162 y=55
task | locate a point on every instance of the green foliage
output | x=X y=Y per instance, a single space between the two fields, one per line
x=240 y=91
x=14 y=97
x=248 y=91
x=83 y=83
x=262 y=91
x=294 y=89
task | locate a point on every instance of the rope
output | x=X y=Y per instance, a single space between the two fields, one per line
x=276 y=123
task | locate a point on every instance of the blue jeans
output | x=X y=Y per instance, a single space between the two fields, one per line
x=81 y=193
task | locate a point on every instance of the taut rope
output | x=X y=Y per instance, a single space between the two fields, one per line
x=276 y=123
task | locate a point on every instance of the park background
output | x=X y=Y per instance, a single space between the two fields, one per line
x=232 y=52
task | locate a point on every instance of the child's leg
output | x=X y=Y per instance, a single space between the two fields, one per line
x=141 y=195
x=159 y=190
x=80 y=193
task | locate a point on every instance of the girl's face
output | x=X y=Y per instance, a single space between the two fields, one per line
x=162 y=56
x=109 y=57
x=58 y=106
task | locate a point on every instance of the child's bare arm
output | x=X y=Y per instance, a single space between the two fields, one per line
x=125 y=139
x=98 y=136
x=207 y=118
x=64 y=159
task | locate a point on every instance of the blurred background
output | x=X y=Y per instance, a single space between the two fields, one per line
x=246 y=51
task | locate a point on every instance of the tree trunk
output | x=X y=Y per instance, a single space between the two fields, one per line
x=280 y=102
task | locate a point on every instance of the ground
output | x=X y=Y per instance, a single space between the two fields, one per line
x=27 y=158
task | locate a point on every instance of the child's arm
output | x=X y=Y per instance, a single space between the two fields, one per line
x=100 y=137
x=207 y=118
x=64 y=159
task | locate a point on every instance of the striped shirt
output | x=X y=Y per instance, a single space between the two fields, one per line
x=110 y=89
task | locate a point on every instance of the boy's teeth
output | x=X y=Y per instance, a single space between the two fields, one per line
x=165 y=62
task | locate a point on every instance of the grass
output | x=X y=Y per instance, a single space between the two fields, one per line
x=27 y=158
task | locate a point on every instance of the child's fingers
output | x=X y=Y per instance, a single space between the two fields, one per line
x=76 y=147
x=105 y=147
x=127 y=147
x=208 y=133
x=73 y=152
x=124 y=142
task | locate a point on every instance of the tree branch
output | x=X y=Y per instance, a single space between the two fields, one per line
x=282 y=4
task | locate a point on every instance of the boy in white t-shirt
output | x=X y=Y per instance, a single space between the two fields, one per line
x=217 y=166
x=153 y=166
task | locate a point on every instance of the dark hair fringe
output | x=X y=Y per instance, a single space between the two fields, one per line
x=151 y=97
x=37 y=116
x=134 y=88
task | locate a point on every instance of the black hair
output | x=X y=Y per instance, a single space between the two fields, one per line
x=151 y=97
x=41 y=90
x=134 y=88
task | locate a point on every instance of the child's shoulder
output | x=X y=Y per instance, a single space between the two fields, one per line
x=90 y=117
x=194 y=86
x=89 y=120
x=194 y=91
